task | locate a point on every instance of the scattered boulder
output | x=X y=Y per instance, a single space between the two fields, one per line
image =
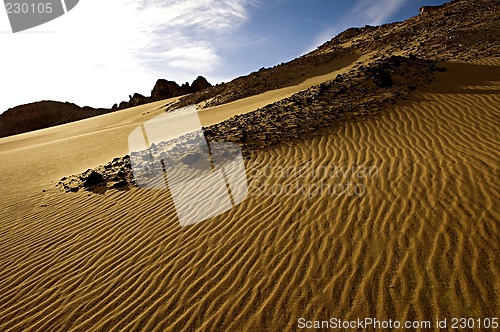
x=119 y=184
x=92 y=179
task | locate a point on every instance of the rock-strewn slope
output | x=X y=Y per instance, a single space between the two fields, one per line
x=360 y=92
x=457 y=31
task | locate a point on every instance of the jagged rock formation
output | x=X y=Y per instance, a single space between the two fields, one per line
x=43 y=114
x=164 y=89
x=199 y=84
x=168 y=89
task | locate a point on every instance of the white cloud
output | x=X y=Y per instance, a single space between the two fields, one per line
x=208 y=14
x=101 y=51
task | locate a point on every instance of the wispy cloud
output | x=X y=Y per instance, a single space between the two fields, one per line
x=363 y=12
x=211 y=15
x=181 y=34
x=376 y=12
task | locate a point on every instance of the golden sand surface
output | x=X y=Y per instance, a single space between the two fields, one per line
x=418 y=240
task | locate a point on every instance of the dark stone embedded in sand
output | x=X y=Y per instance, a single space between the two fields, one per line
x=382 y=79
x=93 y=179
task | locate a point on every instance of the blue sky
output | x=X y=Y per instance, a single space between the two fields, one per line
x=102 y=51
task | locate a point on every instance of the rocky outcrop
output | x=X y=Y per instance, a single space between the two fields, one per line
x=200 y=83
x=114 y=175
x=137 y=99
x=43 y=114
x=165 y=89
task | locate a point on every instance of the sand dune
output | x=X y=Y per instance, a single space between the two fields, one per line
x=419 y=240
x=30 y=161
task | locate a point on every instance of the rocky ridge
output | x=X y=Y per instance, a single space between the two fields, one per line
x=43 y=114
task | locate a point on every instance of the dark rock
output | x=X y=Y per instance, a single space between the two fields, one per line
x=93 y=179
x=200 y=83
x=164 y=89
x=43 y=114
x=137 y=99
x=138 y=96
x=382 y=79
x=119 y=184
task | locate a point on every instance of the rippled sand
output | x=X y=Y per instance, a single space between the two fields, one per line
x=419 y=239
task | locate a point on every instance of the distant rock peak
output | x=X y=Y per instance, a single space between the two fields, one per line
x=165 y=89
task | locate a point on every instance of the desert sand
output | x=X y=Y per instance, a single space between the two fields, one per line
x=418 y=241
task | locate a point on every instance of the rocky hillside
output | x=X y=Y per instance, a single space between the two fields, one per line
x=456 y=31
x=404 y=57
x=43 y=114
x=358 y=93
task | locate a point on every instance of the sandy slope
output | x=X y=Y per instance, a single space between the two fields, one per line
x=420 y=242
x=217 y=114
x=31 y=160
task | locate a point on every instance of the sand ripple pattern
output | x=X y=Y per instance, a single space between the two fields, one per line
x=421 y=242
